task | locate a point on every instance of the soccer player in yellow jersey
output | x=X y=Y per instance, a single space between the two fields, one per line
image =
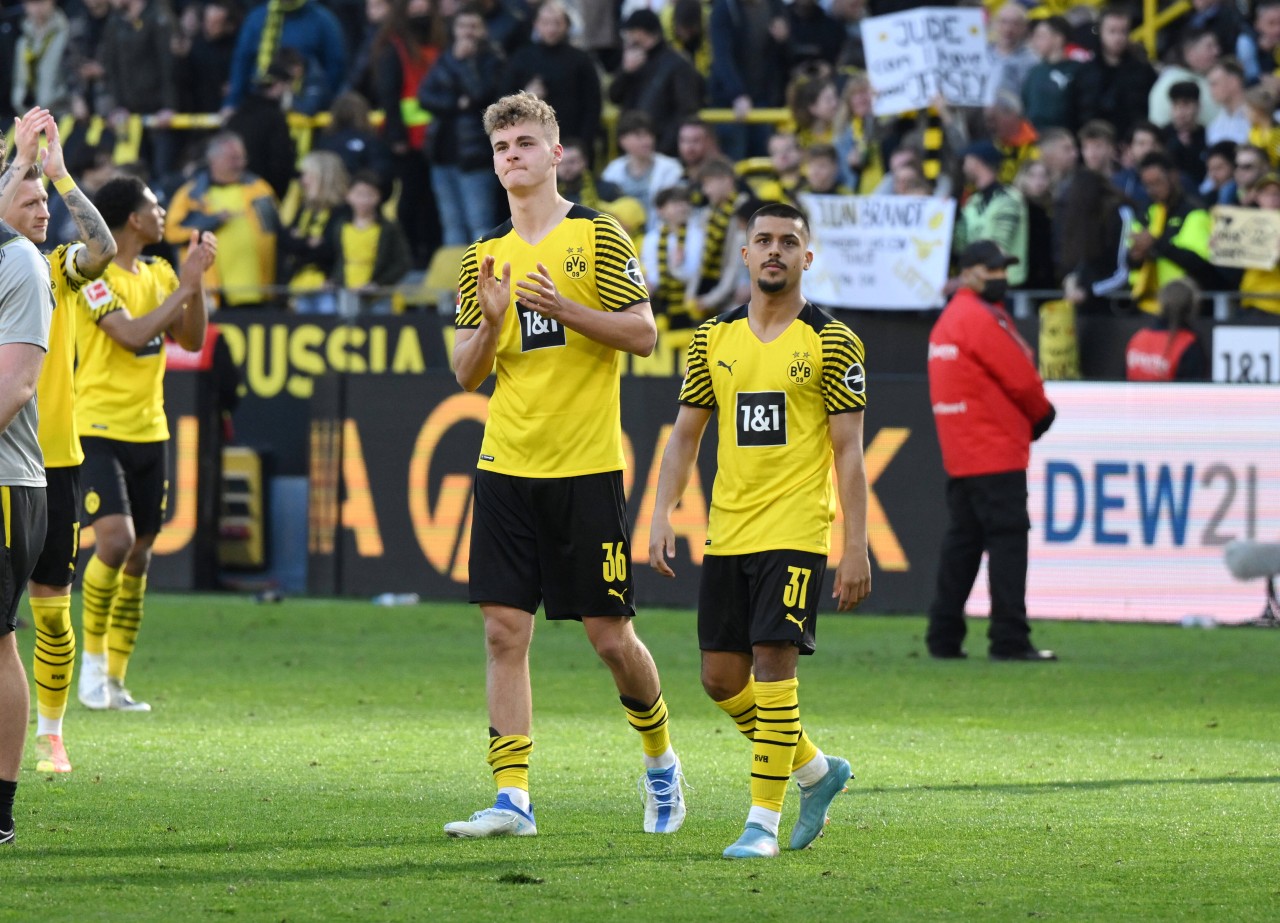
x=550 y=300
x=125 y=316
x=788 y=382
x=70 y=267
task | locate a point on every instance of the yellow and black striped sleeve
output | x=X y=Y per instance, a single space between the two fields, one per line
x=844 y=376
x=468 y=314
x=619 y=280
x=696 y=390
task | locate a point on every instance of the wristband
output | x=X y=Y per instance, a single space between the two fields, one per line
x=64 y=185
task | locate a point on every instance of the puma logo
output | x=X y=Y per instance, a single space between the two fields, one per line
x=799 y=622
x=613 y=592
x=721 y=363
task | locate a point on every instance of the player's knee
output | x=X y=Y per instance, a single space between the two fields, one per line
x=615 y=646
x=114 y=544
x=718 y=688
x=503 y=642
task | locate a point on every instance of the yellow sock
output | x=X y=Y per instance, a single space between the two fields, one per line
x=55 y=654
x=509 y=757
x=651 y=722
x=742 y=709
x=777 y=731
x=126 y=619
x=100 y=585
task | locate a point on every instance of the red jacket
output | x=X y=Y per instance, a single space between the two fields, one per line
x=986 y=393
x=1154 y=355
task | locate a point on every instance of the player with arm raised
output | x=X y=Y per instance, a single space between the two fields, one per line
x=788 y=383
x=125 y=316
x=550 y=300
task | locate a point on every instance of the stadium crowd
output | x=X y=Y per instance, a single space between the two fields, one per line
x=1094 y=164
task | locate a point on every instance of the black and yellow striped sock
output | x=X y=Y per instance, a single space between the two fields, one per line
x=742 y=709
x=777 y=731
x=651 y=722
x=509 y=758
x=126 y=619
x=55 y=654
x=99 y=593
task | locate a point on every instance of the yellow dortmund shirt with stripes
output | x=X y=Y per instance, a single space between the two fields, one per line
x=555 y=407
x=120 y=393
x=55 y=394
x=773 y=487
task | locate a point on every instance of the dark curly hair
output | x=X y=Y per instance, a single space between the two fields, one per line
x=119 y=198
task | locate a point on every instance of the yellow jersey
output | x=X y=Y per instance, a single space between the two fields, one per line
x=555 y=410
x=773 y=488
x=120 y=394
x=359 y=253
x=55 y=394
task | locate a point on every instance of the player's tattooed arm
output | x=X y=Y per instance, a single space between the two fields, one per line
x=99 y=246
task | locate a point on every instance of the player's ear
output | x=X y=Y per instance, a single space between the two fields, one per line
x=808 y=258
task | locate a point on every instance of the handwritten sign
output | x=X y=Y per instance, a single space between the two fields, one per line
x=1244 y=238
x=878 y=251
x=918 y=54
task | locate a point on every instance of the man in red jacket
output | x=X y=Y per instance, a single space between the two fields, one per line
x=989 y=405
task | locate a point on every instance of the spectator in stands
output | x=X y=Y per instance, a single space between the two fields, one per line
x=406 y=48
x=1047 y=90
x=1012 y=134
x=466 y=79
x=1261 y=287
x=994 y=211
x=306 y=26
x=1226 y=89
x=351 y=136
x=506 y=22
x=1197 y=53
x=1263 y=131
x=139 y=73
x=261 y=122
x=83 y=60
x=1219 y=186
x=204 y=75
x=575 y=180
x=1115 y=85
x=1221 y=17
x=669 y=255
x=989 y=405
x=1033 y=182
x=1011 y=59
x=551 y=68
x=786 y=161
x=687 y=27
x=641 y=172
x=39 y=75
x=361 y=72
x=240 y=207
x=856 y=139
x=906 y=169
x=814 y=35
x=655 y=79
x=749 y=47
x=722 y=237
x=371 y=253
x=1093 y=233
x=1169 y=349
x=822 y=172
x=1142 y=140
x=697 y=143
x=1184 y=138
x=1060 y=156
x=1171 y=240
x=1259 y=50
x=813 y=101
x=1250 y=164
x=310 y=227
x=1098 y=147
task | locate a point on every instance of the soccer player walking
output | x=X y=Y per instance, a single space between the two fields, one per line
x=551 y=300
x=789 y=385
x=120 y=415
x=24 y=206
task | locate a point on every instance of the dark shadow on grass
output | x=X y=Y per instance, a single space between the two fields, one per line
x=1040 y=788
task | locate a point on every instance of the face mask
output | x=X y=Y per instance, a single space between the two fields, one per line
x=994 y=290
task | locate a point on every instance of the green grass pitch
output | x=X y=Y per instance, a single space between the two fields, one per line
x=302 y=758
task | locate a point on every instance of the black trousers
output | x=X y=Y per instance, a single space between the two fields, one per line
x=988 y=513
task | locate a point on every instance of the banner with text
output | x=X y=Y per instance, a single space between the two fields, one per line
x=1134 y=494
x=1244 y=238
x=888 y=252
x=917 y=55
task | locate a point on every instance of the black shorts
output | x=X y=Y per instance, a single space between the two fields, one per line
x=57 y=563
x=768 y=596
x=125 y=478
x=22 y=510
x=564 y=542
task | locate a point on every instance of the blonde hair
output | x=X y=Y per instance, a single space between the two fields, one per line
x=522 y=107
x=331 y=176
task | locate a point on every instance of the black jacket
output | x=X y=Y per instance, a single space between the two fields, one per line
x=457 y=137
x=667 y=87
x=1119 y=94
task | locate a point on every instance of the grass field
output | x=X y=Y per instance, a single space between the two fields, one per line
x=302 y=758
